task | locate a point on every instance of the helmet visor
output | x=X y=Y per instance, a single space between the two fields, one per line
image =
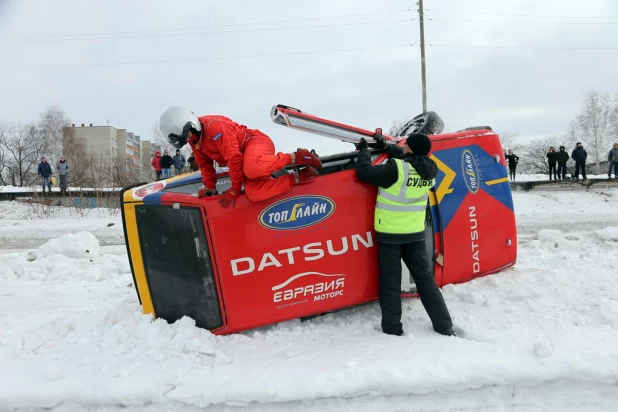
x=179 y=141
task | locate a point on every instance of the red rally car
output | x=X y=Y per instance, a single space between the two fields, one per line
x=313 y=249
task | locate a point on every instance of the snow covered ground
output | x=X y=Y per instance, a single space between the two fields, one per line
x=539 y=336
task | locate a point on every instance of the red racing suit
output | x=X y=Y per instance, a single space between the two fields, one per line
x=249 y=155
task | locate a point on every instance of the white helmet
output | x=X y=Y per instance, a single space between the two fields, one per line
x=175 y=124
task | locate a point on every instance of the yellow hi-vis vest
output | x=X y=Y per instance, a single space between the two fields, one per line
x=401 y=208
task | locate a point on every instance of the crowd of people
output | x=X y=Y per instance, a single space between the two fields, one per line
x=557 y=162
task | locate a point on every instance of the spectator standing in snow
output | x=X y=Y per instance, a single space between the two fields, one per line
x=179 y=162
x=156 y=163
x=552 y=157
x=403 y=184
x=63 y=169
x=612 y=159
x=45 y=171
x=192 y=164
x=166 y=165
x=562 y=157
x=580 y=155
x=513 y=160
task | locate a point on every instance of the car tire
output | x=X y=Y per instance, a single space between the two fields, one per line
x=425 y=123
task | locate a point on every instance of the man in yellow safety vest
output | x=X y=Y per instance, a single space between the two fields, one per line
x=404 y=181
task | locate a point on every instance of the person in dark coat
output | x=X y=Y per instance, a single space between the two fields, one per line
x=192 y=164
x=612 y=159
x=552 y=158
x=562 y=157
x=399 y=221
x=580 y=155
x=512 y=160
x=166 y=165
x=45 y=171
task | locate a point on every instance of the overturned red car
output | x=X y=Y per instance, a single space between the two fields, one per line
x=311 y=250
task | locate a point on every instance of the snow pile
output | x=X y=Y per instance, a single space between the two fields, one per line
x=70 y=257
x=609 y=234
x=82 y=245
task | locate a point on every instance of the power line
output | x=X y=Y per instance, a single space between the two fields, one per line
x=523 y=47
x=524 y=22
x=519 y=14
x=207 y=58
x=208 y=27
x=203 y=33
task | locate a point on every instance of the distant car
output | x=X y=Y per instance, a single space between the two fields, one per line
x=311 y=250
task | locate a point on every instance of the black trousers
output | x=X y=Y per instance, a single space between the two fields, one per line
x=389 y=294
x=562 y=170
x=552 y=166
x=512 y=172
x=579 y=165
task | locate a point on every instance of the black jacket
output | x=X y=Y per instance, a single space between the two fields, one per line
x=385 y=175
x=552 y=157
x=513 y=159
x=562 y=157
x=579 y=155
x=166 y=161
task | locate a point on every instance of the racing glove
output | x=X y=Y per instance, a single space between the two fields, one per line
x=380 y=141
x=362 y=145
x=229 y=198
x=206 y=192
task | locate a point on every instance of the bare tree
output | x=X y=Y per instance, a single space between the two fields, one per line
x=74 y=151
x=160 y=140
x=52 y=123
x=596 y=124
x=533 y=155
x=508 y=140
x=22 y=146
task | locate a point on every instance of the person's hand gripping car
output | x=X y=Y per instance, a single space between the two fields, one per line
x=378 y=143
x=228 y=199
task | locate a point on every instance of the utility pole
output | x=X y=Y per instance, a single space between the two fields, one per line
x=423 y=72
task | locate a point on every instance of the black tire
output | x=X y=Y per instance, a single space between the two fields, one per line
x=426 y=123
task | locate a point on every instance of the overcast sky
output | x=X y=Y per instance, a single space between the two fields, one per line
x=517 y=85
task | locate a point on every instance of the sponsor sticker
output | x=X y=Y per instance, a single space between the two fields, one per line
x=297 y=212
x=141 y=192
x=217 y=136
x=470 y=170
x=325 y=286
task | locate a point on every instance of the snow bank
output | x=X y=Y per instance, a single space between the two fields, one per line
x=68 y=258
x=82 y=245
x=609 y=233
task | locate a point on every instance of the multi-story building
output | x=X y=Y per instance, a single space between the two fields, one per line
x=107 y=142
x=148 y=150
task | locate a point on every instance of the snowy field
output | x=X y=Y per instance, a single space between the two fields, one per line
x=540 y=336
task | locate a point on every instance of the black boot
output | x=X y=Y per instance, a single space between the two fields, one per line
x=447 y=332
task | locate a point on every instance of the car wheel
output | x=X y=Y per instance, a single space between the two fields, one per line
x=426 y=123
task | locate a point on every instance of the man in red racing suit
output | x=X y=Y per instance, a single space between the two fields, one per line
x=248 y=153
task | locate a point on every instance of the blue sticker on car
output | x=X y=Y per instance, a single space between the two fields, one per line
x=297 y=212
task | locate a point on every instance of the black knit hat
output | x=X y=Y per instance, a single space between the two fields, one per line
x=419 y=144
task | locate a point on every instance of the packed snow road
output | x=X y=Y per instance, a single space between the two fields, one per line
x=539 y=336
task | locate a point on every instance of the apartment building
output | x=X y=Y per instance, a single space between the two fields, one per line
x=108 y=142
x=148 y=150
